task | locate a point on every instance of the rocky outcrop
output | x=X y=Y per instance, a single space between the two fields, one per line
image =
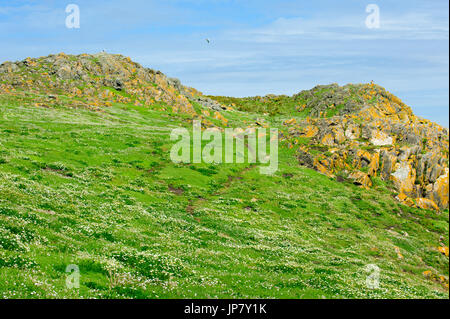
x=196 y=96
x=382 y=138
x=96 y=81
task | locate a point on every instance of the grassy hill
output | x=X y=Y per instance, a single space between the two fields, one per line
x=93 y=185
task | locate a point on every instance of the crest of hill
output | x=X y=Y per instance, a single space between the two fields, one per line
x=324 y=101
x=96 y=81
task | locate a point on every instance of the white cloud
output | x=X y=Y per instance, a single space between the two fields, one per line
x=416 y=26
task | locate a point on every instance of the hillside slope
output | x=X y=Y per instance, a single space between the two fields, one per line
x=86 y=179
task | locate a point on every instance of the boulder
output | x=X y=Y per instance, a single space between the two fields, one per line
x=440 y=190
x=404 y=177
x=360 y=178
x=352 y=132
x=389 y=159
x=426 y=203
x=380 y=138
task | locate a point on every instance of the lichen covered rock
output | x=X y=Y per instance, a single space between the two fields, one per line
x=377 y=137
x=98 y=80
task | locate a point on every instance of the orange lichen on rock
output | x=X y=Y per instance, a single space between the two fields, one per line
x=426 y=203
x=443 y=250
x=361 y=178
x=310 y=131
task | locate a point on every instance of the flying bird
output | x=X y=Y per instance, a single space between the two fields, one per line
x=207 y=40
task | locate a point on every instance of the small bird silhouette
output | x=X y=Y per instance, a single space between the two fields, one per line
x=207 y=40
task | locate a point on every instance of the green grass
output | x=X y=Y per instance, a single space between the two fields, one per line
x=97 y=189
x=271 y=104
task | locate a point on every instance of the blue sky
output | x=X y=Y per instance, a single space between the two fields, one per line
x=257 y=46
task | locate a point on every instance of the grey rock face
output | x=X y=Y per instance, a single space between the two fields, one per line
x=8 y=67
x=207 y=102
x=202 y=100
